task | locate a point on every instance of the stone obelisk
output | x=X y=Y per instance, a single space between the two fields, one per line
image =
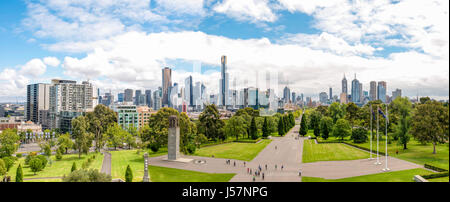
x=173 y=139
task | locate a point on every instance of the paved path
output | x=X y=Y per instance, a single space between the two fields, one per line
x=106 y=166
x=41 y=178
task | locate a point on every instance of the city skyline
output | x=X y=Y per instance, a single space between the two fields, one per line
x=299 y=40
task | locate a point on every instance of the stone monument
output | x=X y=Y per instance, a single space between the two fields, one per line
x=174 y=139
x=173 y=143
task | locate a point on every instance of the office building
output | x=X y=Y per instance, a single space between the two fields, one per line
x=323 y=97
x=373 y=91
x=148 y=98
x=396 y=93
x=223 y=85
x=381 y=91
x=120 y=97
x=188 y=91
x=166 y=85
x=286 y=94
x=356 y=95
x=127 y=116
x=38 y=103
x=128 y=95
x=344 y=85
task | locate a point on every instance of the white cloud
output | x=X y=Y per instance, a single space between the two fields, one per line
x=136 y=58
x=193 y=7
x=34 y=68
x=249 y=10
x=51 y=61
x=328 y=42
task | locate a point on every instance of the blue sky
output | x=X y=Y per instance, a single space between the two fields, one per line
x=309 y=44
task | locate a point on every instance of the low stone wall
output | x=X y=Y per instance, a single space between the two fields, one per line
x=418 y=178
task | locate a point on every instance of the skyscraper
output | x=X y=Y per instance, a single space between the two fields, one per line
x=331 y=94
x=128 y=95
x=396 y=93
x=37 y=102
x=188 y=91
x=294 y=97
x=356 y=91
x=323 y=97
x=120 y=97
x=361 y=93
x=224 y=83
x=137 y=97
x=373 y=90
x=148 y=98
x=286 y=94
x=166 y=84
x=344 y=85
x=381 y=91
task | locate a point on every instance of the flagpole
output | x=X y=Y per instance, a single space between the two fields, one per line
x=386 y=151
x=371 y=131
x=378 y=125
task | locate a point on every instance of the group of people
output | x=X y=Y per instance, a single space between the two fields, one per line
x=258 y=172
x=228 y=162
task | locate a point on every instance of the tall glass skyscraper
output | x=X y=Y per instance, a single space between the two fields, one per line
x=382 y=88
x=356 y=93
x=188 y=91
x=166 y=84
x=344 y=85
x=224 y=83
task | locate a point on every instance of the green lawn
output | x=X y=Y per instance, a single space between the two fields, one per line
x=441 y=179
x=235 y=150
x=416 y=152
x=330 y=152
x=58 y=168
x=396 y=176
x=121 y=159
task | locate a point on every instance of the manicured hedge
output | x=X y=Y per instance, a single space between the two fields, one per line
x=435 y=175
x=247 y=140
x=435 y=168
x=215 y=143
x=363 y=148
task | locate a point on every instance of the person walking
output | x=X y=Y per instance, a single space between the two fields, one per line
x=263 y=176
x=299 y=173
x=266 y=166
x=282 y=167
x=275 y=166
x=234 y=164
x=244 y=163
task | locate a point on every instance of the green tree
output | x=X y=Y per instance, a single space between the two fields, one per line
x=2 y=167
x=9 y=141
x=58 y=155
x=430 y=123
x=35 y=165
x=235 y=126
x=265 y=128
x=74 y=167
x=128 y=174
x=341 y=129
x=281 y=126
x=253 y=130
x=336 y=111
x=323 y=110
x=98 y=122
x=326 y=126
x=65 y=142
x=115 y=136
x=46 y=148
x=9 y=161
x=19 y=174
x=315 y=118
x=303 y=126
x=351 y=113
x=210 y=123
x=359 y=135
x=402 y=107
x=83 y=140
x=424 y=100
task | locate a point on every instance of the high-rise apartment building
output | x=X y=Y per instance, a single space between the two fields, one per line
x=166 y=85
x=373 y=90
x=38 y=103
x=128 y=95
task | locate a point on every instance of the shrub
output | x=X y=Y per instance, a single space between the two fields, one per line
x=128 y=174
x=43 y=159
x=19 y=174
x=155 y=147
x=2 y=167
x=19 y=155
x=9 y=162
x=359 y=135
x=74 y=167
x=84 y=175
x=431 y=167
x=84 y=165
x=436 y=175
x=29 y=157
x=35 y=165
x=58 y=154
x=191 y=148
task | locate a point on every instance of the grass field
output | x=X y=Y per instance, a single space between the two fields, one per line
x=58 y=167
x=235 y=150
x=441 y=179
x=416 y=152
x=330 y=152
x=121 y=159
x=396 y=176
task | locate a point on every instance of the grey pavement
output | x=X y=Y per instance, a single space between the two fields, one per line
x=106 y=166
